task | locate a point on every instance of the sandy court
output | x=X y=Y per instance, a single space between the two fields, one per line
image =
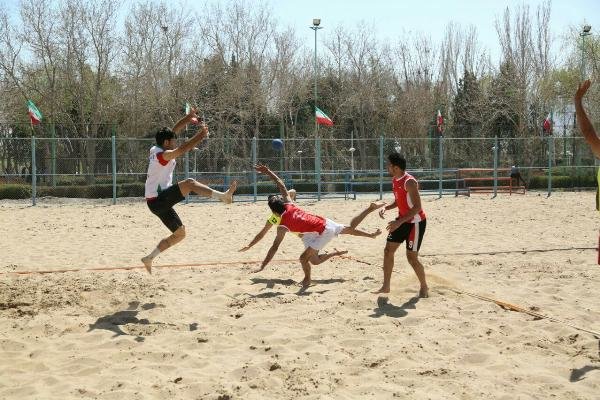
x=220 y=332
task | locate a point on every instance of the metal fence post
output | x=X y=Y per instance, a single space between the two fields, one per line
x=380 y=167
x=186 y=174
x=495 y=166
x=550 y=156
x=33 y=172
x=441 y=166
x=53 y=154
x=318 y=166
x=254 y=158
x=114 y=166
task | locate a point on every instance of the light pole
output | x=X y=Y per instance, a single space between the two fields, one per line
x=315 y=27
x=585 y=32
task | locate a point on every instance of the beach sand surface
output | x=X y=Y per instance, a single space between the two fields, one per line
x=202 y=326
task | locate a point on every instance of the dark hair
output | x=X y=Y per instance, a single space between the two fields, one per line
x=164 y=134
x=397 y=160
x=276 y=204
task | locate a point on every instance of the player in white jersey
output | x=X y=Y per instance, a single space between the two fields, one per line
x=161 y=195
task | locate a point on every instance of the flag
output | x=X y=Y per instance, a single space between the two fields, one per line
x=34 y=114
x=322 y=118
x=547 y=125
x=440 y=122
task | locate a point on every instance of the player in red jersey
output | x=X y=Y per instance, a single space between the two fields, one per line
x=409 y=226
x=316 y=231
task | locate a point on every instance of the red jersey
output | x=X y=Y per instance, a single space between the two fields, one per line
x=298 y=220
x=403 y=200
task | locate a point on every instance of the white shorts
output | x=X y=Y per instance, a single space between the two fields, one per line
x=318 y=241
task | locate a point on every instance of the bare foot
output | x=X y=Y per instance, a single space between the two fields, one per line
x=228 y=198
x=148 y=264
x=305 y=283
x=375 y=234
x=339 y=253
x=424 y=293
x=383 y=290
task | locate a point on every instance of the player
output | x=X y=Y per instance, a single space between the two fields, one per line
x=161 y=195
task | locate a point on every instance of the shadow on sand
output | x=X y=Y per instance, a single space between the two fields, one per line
x=384 y=307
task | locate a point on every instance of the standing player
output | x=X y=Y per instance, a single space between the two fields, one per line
x=316 y=231
x=409 y=226
x=162 y=195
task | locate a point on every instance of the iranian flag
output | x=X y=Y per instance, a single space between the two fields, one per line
x=440 y=122
x=547 y=125
x=34 y=114
x=322 y=118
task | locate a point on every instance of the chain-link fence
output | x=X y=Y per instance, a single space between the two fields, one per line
x=115 y=167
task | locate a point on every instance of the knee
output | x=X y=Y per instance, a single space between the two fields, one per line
x=413 y=259
x=189 y=181
x=179 y=234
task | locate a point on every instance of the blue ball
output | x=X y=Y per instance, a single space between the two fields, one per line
x=277 y=144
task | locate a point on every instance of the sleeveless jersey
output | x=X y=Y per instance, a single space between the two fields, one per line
x=298 y=220
x=160 y=173
x=403 y=200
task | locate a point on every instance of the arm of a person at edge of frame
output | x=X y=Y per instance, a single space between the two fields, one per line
x=258 y=236
x=263 y=169
x=281 y=231
x=585 y=125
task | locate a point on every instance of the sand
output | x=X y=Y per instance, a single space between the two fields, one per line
x=219 y=332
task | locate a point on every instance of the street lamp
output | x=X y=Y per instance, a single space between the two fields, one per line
x=315 y=27
x=585 y=32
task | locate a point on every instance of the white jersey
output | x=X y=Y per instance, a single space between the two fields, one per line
x=160 y=173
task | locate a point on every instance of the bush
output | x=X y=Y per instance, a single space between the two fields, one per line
x=12 y=191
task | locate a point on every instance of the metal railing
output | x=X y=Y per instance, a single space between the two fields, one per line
x=115 y=167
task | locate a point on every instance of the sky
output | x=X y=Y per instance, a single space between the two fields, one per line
x=390 y=19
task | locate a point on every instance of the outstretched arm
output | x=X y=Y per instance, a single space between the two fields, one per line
x=263 y=169
x=586 y=127
x=258 y=236
x=390 y=206
x=281 y=231
x=190 y=143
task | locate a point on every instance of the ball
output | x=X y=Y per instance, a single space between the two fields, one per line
x=277 y=144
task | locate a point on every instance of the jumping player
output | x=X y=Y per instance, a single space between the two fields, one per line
x=409 y=226
x=316 y=231
x=161 y=195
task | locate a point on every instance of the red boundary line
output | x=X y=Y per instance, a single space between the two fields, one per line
x=56 y=271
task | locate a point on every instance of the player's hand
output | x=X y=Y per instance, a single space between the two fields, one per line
x=583 y=88
x=192 y=116
x=244 y=249
x=382 y=213
x=204 y=130
x=393 y=225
